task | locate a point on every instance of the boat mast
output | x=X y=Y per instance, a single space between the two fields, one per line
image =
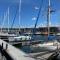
x=8 y=19
x=19 y=13
x=4 y=16
x=1 y=25
x=48 y=19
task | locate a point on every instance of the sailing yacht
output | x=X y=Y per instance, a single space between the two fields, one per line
x=50 y=45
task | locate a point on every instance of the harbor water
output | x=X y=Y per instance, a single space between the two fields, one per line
x=42 y=38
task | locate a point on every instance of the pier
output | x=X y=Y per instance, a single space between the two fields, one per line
x=25 y=42
x=12 y=53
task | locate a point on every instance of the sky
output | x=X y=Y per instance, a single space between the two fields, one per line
x=29 y=11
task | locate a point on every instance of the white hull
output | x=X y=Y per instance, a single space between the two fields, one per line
x=45 y=46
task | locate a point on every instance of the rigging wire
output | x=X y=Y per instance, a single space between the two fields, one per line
x=14 y=17
x=37 y=17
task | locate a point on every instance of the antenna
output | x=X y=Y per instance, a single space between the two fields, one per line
x=19 y=13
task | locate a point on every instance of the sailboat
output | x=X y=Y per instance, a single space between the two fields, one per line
x=50 y=45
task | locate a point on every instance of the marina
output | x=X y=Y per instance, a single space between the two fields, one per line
x=29 y=30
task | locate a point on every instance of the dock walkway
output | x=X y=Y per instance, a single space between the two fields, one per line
x=15 y=54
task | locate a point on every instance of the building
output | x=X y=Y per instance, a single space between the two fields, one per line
x=40 y=30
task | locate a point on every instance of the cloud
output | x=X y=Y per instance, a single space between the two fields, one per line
x=36 y=7
x=34 y=18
